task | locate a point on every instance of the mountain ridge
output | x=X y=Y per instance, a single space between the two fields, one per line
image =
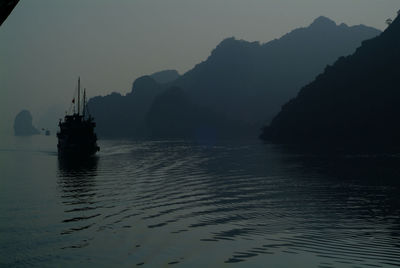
x=354 y=102
x=240 y=81
x=260 y=69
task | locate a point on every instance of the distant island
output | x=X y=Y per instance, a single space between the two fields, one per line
x=239 y=88
x=353 y=103
x=23 y=124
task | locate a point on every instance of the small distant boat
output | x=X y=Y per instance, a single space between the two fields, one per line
x=76 y=136
x=46 y=132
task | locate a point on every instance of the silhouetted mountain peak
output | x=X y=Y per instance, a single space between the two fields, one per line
x=232 y=45
x=165 y=76
x=227 y=42
x=323 y=22
x=353 y=103
x=240 y=85
x=144 y=82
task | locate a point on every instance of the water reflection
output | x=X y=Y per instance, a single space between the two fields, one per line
x=366 y=168
x=77 y=167
x=342 y=207
x=252 y=202
x=77 y=182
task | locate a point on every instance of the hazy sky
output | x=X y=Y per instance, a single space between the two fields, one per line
x=46 y=44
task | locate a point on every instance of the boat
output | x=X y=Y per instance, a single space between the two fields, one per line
x=76 y=136
x=46 y=132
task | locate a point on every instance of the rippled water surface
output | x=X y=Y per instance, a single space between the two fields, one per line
x=183 y=203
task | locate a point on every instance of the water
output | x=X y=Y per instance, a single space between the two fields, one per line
x=183 y=203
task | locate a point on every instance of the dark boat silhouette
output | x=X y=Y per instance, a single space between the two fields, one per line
x=76 y=136
x=46 y=132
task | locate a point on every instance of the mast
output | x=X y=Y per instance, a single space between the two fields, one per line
x=84 y=102
x=79 y=93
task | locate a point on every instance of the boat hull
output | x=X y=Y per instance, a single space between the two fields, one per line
x=77 y=149
x=76 y=136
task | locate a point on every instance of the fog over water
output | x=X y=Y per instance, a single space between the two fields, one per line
x=45 y=45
